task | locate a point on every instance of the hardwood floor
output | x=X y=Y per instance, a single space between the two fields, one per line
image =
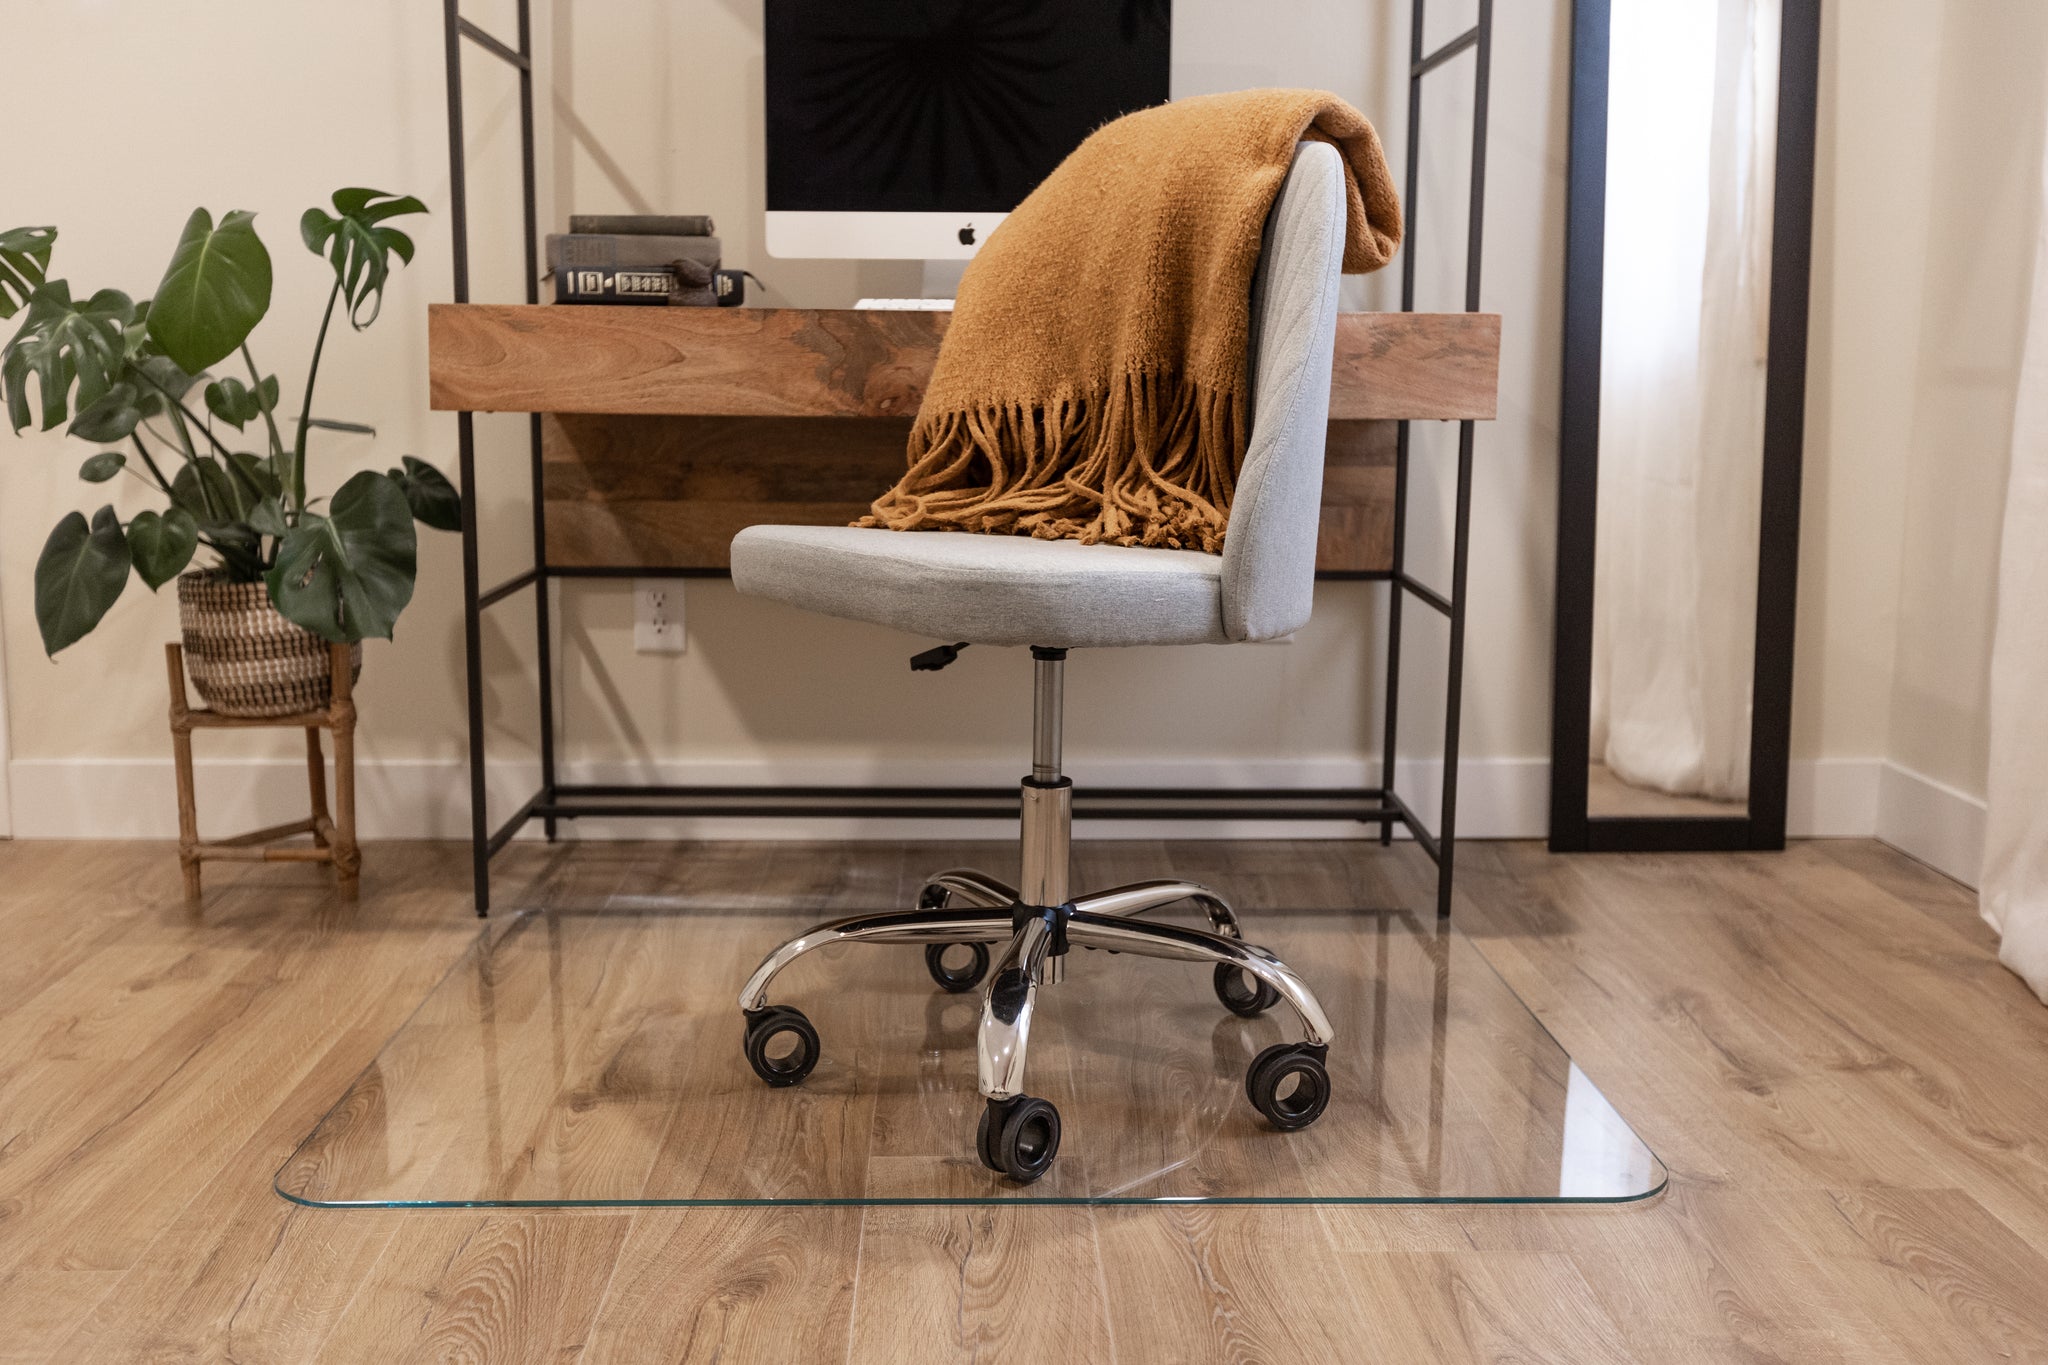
x=1820 y=1044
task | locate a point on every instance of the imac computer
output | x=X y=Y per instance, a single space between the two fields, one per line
x=909 y=128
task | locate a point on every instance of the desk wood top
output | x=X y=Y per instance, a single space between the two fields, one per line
x=818 y=362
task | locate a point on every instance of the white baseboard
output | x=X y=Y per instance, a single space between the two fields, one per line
x=1498 y=798
x=1933 y=822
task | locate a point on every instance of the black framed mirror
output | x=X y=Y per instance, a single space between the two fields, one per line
x=1688 y=243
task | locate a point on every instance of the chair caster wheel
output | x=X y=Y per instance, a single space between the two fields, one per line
x=1242 y=993
x=962 y=977
x=1019 y=1137
x=782 y=1047
x=1289 y=1085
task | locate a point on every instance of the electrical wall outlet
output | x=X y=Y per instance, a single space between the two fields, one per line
x=658 y=616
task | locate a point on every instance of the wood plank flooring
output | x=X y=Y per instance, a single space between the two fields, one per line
x=1847 y=1087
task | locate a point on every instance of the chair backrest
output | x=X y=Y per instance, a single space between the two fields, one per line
x=1269 y=553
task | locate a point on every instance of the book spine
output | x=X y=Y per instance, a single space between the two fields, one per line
x=588 y=285
x=602 y=252
x=644 y=224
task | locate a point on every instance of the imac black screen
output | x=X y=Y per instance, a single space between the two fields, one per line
x=928 y=106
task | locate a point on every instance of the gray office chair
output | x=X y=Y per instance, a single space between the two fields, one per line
x=1060 y=595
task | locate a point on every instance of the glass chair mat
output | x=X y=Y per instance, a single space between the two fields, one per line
x=594 y=1058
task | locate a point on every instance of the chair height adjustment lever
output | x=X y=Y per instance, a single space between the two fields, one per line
x=935 y=658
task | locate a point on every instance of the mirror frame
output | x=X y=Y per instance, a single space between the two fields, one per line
x=1572 y=828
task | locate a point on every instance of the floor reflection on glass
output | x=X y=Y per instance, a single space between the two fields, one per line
x=594 y=1058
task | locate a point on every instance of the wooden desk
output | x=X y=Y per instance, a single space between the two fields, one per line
x=666 y=430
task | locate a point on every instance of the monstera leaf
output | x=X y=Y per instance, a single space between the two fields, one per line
x=147 y=386
x=162 y=374
x=237 y=404
x=118 y=412
x=207 y=491
x=357 y=247
x=79 y=576
x=103 y=466
x=266 y=518
x=257 y=475
x=64 y=345
x=216 y=290
x=162 y=546
x=433 y=499
x=347 y=575
x=24 y=256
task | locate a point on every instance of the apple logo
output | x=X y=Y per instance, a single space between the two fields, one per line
x=967 y=235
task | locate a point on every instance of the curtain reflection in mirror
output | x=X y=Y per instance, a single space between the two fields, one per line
x=1691 y=132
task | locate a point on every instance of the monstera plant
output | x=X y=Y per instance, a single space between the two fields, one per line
x=135 y=379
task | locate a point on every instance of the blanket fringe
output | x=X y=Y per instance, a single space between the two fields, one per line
x=1150 y=462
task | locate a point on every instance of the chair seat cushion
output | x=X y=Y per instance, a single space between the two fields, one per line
x=987 y=589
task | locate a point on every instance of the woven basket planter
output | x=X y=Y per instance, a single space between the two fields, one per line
x=244 y=658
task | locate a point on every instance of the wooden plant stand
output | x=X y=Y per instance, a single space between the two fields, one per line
x=334 y=836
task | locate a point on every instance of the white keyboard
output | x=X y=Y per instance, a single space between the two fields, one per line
x=908 y=305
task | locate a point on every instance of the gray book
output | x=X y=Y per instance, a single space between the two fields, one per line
x=661 y=285
x=609 y=251
x=643 y=224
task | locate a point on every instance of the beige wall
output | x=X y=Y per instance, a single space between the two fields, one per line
x=1865 y=296
x=1978 y=210
x=652 y=104
x=1928 y=191
x=260 y=107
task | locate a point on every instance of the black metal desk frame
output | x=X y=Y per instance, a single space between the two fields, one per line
x=557 y=800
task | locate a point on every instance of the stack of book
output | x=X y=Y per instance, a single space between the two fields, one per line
x=635 y=258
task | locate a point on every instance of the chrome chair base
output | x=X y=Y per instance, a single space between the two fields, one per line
x=964 y=908
x=1038 y=924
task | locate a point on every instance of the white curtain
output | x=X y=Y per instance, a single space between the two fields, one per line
x=1692 y=99
x=2013 y=891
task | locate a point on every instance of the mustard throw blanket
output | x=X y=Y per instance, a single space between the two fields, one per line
x=1092 y=384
